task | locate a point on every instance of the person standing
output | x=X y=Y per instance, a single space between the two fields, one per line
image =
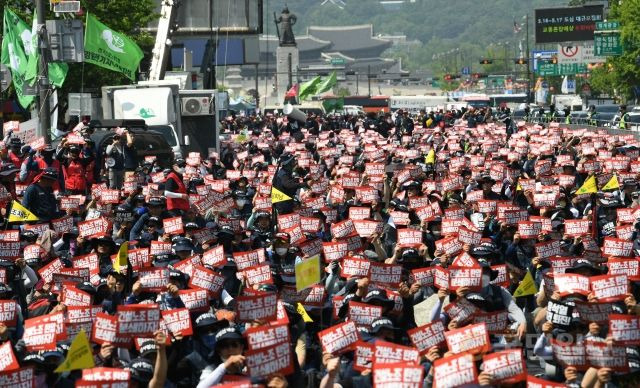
x=175 y=190
x=117 y=153
x=39 y=197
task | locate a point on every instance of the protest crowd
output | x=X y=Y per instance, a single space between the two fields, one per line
x=399 y=250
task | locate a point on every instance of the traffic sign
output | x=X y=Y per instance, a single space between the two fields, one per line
x=607 y=26
x=608 y=44
x=466 y=70
x=337 y=61
x=67 y=7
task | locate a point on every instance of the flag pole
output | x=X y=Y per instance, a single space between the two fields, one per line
x=44 y=88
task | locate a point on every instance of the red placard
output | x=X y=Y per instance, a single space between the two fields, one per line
x=441 y=278
x=248 y=258
x=625 y=329
x=106 y=374
x=139 y=258
x=138 y=320
x=39 y=334
x=496 y=321
x=24 y=377
x=408 y=237
x=427 y=336
x=570 y=283
x=390 y=353
x=353 y=267
x=362 y=356
x=261 y=337
x=385 y=274
x=343 y=229
x=604 y=355
x=95 y=227
x=159 y=248
x=454 y=371
x=72 y=296
x=8 y=360
x=363 y=314
x=153 y=279
x=8 y=312
x=261 y=307
x=569 y=354
x=178 y=321
x=609 y=288
x=473 y=339
x=339 y=338
x=267 y=361
x=173 y=225
x=398 y=375
x=577 y=228
x=62 y=225
x=258 y=274
x=196 y=300
x=109 y=196
x=629 y=267
x=206 y=280
x=461 y=310
x=423 y=276
x=505 y=367
x=79 y=314
x=468 y=236
x=48 y=270
x=359 y=213
x=214 y=257
x=617 y=247
x=548 y=249
x=465 y=277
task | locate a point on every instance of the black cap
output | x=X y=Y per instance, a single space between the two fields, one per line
x=381 y=323
x=206 y=320
x=228 y=333
x=179 y=162
x=50 y=173
x=182 y=244
x=584 y=264
x=141 y=370
x=148 y=347
x=156 y=201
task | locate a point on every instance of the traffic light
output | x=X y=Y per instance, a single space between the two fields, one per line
x=486 y=61
x=521 y=61
x=554 y=60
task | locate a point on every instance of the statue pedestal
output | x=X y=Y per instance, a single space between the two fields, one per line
x=282 y=69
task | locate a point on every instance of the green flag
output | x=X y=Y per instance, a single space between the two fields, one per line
x=110 y=49
x=308 y=89
x=328 y=83
x=14 y=33
x=333 y=104
x=57 y=70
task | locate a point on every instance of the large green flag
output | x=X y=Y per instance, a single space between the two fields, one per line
x=15 y=35
x=57 y=70
x=110 y=49
x=333 y=104
x=308 y=89
x=328 y=83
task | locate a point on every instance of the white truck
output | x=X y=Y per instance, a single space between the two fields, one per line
x=186 y=118
x=572 y=101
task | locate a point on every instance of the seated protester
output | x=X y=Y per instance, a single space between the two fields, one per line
x=104 y=247
x=182 y=247
x=490 y=298
x=243 y=208
x=283 y=258
x=147 y=374
x=261 y=230
x=229 y=361
x=156 y=207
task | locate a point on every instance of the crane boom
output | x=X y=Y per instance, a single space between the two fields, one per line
x=160 y=53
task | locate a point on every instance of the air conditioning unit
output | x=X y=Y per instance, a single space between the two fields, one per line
x=196 y=106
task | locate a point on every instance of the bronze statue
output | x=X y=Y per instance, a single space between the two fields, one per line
x=286 y=20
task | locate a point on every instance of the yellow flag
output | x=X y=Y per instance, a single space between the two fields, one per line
x=79 y=355
x=120 y=261
x=431 y=157
x=303 y=313
x=612 y=184
x=589 y=186
x=278 y=196
x=20 y=213
x=307 y=273
x=527 y=286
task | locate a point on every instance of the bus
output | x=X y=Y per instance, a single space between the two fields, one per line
x=415 y=104
x=510 y=100
x=476 y=100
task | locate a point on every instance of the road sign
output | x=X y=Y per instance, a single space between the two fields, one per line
x=537 y=55
x=577 y=54
x=466 y=70
x=337 y=61
x=67 y=7
x=549 y=69
x=607 y=44
x=607 y=26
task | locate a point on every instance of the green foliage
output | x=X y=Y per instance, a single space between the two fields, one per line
x=122 y=15
x=621 y=73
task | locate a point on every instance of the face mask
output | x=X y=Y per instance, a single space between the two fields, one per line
x=281 y=251
x=209 y=341
x=486 y=279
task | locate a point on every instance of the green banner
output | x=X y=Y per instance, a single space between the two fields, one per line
x=13 y=52
x=333 y=104
x=308 y=89
x=327 y=83
x=110 y=49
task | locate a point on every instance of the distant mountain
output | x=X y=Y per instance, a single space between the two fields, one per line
x=440 y=25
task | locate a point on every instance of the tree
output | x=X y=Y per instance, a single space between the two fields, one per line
x=123 y=16
x=622 y=73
